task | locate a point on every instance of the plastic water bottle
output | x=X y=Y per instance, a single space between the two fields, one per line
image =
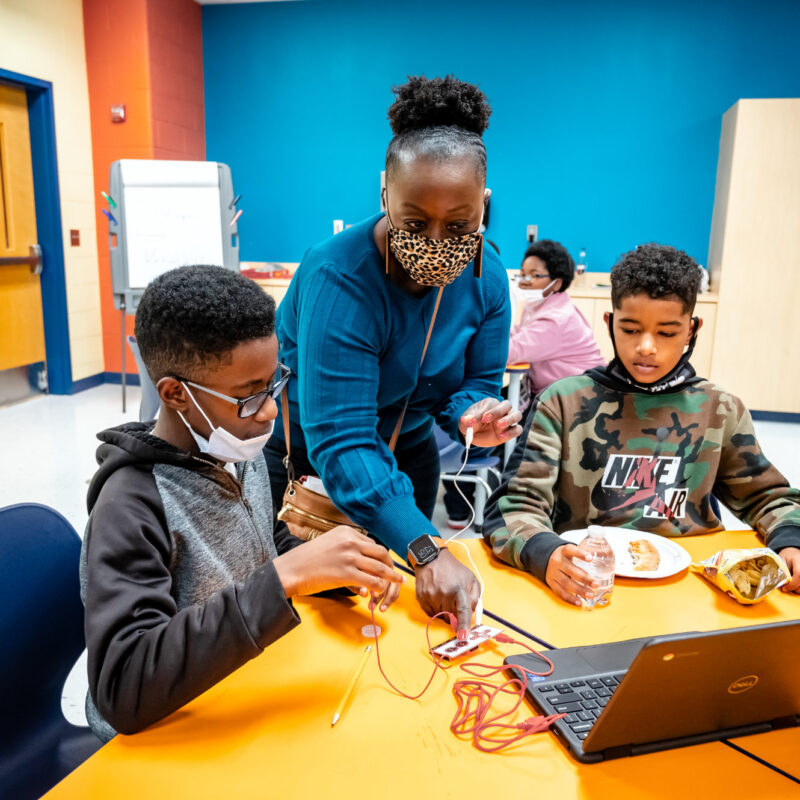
x=580 y=267
x=601 y=567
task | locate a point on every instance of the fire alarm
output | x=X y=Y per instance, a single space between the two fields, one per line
x=118 y=113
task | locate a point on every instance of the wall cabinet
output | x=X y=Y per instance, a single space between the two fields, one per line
x=754 y=254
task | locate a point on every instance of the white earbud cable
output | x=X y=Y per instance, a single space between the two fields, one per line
x=467 y=444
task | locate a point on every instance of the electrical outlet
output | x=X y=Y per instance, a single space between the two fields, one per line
x=532 y=233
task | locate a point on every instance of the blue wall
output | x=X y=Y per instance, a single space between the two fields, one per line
x=606 y=120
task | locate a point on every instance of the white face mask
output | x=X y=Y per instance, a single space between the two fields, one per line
x=222 y=444
x=529 y=296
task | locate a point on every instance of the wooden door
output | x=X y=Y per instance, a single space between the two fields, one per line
x=21 y=321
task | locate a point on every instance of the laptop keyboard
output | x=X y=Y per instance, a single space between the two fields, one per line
x=581 y=700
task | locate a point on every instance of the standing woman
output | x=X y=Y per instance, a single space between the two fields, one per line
x=353 y=326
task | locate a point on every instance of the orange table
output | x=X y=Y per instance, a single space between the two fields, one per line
x=265 y=732
x=639 y=607
x=642 y=607
x=779 y=748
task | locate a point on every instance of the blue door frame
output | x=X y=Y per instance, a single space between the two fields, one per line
x=48 y=225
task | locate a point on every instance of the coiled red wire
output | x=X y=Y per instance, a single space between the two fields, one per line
x=476 y=695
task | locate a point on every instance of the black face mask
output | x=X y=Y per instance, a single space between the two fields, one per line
x=682 y=372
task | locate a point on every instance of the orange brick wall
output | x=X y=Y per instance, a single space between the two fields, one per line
x=148 y=55
x=175 y=41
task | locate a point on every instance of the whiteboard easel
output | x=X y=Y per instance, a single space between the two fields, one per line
x=167 y=214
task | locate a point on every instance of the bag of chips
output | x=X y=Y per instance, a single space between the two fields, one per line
x=746 y=575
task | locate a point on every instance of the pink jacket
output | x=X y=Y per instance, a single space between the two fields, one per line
x=557 y=341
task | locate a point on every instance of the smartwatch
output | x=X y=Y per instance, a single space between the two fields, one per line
x=422 y=550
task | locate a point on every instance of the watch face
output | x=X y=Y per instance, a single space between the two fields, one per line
x=425 y=551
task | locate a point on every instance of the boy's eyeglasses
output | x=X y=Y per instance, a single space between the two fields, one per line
x=247 y=406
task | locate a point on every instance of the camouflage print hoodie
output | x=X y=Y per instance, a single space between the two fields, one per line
x=600 y=452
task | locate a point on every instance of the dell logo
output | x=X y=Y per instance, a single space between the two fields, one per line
x=743 y=684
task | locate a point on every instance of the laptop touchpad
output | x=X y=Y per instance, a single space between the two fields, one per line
x=611 y=657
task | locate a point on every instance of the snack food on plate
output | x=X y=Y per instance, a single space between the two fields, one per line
x=646 y=557
x=746 y=575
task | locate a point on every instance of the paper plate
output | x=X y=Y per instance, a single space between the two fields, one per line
x=674 y=558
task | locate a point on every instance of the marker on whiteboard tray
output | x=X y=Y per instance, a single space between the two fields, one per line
x=235 y=217
x=235 y=201
x=110 y=217
x=110 y=199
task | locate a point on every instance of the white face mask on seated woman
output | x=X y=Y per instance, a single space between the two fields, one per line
x=527 y=296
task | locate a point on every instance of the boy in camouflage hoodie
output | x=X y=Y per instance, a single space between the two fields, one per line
x=642 y=443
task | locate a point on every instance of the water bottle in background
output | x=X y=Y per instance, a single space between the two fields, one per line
x=601 y=567
x=580 y=267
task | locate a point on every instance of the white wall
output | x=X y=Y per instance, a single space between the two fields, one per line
x=44 y=39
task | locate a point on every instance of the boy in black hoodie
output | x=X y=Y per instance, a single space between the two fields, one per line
x=182 y=575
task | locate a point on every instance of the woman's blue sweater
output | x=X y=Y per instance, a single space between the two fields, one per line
x=353 y=340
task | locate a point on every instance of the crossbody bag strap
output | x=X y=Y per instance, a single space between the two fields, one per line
x=287 y=461
x=399 y=425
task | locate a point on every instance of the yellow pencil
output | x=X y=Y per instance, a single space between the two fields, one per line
x=352 y=685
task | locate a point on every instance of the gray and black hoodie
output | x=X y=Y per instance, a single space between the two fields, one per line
x=176 y=576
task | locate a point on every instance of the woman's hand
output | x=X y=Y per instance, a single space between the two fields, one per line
x=791 y=555
x=494 y=422
x=340 y=557
x=447 y=585
x=566 y=579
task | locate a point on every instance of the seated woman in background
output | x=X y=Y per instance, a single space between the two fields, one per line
x=551 y=335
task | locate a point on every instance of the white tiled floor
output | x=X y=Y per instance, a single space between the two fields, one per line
x=49 y=445
x=48 y=457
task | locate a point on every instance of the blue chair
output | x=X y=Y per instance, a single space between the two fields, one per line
x=41 y=628
x=476 y=471
x=150 y=402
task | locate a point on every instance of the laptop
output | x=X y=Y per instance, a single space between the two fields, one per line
x=655 y=693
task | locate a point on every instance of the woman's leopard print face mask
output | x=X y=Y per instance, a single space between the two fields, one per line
x=432 y=262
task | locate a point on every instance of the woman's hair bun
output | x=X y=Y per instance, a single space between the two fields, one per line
x=427 y=103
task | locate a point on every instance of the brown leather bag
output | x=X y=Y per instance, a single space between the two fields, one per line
x=307 y=513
